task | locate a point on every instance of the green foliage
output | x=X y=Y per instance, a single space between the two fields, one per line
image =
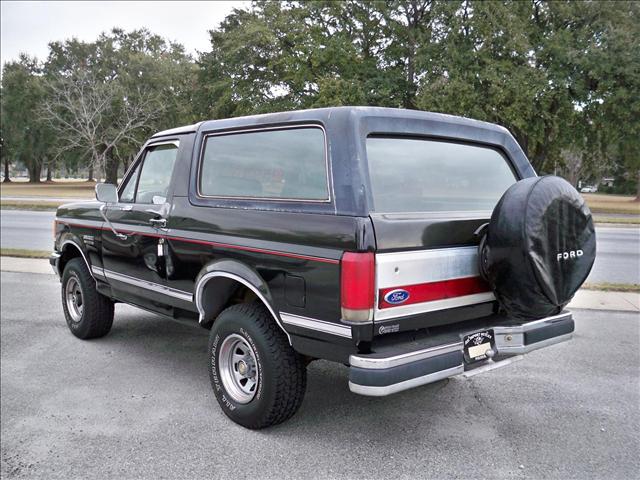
x=131 y=84
x=562 y=76
x=559 y=75
x=26 y=139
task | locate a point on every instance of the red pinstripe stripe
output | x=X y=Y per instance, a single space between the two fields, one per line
x=213 y=244
x=428 y=292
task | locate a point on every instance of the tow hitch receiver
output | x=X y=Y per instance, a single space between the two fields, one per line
x=479 y=346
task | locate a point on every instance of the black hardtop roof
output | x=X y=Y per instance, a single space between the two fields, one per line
x=326 y=114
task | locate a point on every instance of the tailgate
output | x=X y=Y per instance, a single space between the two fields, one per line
x=426 y=264
x=428 y=198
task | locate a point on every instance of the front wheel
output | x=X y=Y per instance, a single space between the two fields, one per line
x=89 y=314
x=258 y=379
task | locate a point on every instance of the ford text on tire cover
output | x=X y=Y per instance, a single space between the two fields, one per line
x=409 y=246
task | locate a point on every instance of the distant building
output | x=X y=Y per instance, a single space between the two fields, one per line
x=607 y=181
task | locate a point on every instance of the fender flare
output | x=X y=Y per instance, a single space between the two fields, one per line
x=241 y=273
x=73 y=243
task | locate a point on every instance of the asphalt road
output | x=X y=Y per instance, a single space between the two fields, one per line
x=26 y=229
x=137 y=404
x=618 y=255
x=617 y=261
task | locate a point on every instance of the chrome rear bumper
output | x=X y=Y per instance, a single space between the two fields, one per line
x=384 y=373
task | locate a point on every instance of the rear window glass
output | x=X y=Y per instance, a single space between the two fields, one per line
x=418 y=175
x=278 y=164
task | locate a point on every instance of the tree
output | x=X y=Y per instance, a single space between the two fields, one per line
x=95 y=117
x=108 y=95
x=4 y=158
x=26 y=138
x=559 y=75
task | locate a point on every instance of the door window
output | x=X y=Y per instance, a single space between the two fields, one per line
x=155 y=175
x=128 y=193
x=149 y=183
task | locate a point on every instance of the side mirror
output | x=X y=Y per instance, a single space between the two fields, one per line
x=106 y=193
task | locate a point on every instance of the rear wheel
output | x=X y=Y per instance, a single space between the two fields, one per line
x=89 y=314
x=258 y=379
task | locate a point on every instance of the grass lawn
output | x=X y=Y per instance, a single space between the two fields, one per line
x=631 y=220
x=24 y=253
x=613 y=287
x=602 y=203
x=28 y=205
x=598 y=202
x=59 y=188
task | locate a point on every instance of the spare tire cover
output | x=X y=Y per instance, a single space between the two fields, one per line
x=539 y=248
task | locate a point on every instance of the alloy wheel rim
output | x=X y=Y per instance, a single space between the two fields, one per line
x=238 y=368
x=74 y=298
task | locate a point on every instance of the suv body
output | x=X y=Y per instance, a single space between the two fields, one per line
x=305 y=215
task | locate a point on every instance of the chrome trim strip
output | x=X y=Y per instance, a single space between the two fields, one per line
x=98 y=271
x=154 y=287
x=266 y=129
x=315 y=324
x=404 y=358
x=399 y=269
x=439 y=215
x=525 y=327
x=415 y=308
x=407 y=384
x=175 y=143
x=197 y=295
x=520 y=349
x=76 y=245
x=412 y=268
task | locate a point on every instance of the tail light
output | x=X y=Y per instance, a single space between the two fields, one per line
x=357 y=286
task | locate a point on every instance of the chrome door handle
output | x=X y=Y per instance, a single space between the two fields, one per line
x=158 y=222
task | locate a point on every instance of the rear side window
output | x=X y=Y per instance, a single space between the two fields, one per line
x=418 y=175
x=273 y=164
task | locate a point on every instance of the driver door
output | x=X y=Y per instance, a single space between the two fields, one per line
x=133 y=257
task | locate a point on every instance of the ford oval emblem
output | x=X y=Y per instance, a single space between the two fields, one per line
x=396 y=297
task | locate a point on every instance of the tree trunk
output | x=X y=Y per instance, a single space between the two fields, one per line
x=110 y=168
x=90 y=176
x=34 y=173
x=48 y=172
x=638 y=188
x=6 y=170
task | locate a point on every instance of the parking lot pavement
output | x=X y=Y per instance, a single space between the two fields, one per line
x=137 y=404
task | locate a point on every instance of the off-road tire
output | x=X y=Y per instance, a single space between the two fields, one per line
x=281 y=372
x=97 y=312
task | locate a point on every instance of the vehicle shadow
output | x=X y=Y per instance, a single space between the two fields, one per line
x=328 y=405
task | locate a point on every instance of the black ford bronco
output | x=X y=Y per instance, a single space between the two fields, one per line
x=409 y=246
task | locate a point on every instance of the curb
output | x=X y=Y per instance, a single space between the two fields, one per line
x=26 y=265
x=584 y=299
x=617 y=225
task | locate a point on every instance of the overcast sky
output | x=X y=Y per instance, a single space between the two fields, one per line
x=29 y=26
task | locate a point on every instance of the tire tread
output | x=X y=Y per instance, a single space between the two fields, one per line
x=98 y=309
x=290 y=371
